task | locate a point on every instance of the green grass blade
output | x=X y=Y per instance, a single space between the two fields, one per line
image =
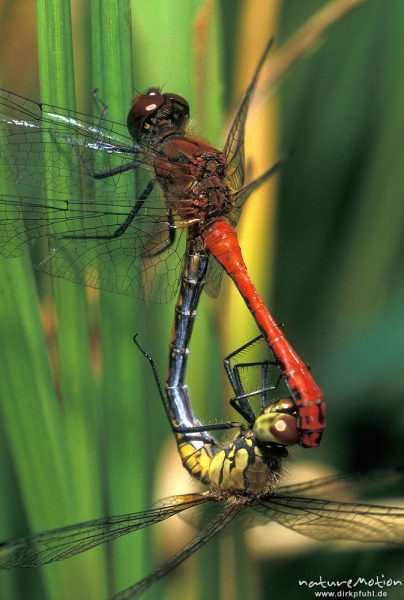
x=123 y=393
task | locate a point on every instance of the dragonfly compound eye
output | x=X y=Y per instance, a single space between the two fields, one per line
x=157 y=114
x=285 y=405
x=143 y=108
x=276 y=428
x=179 y=108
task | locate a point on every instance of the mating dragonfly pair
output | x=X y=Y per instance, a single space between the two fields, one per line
x=75 y=177
x=83 y=171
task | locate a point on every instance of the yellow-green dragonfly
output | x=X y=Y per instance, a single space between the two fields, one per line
x=242 y=477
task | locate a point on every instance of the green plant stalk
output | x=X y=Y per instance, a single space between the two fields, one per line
x=76 y=382
x=169 y=59
x=123 y=393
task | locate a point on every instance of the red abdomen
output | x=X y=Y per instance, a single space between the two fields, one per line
x=221 y=241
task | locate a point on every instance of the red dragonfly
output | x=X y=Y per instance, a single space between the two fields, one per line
x=75 y=177
x=243 y=478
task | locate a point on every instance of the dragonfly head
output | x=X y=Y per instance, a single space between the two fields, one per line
x=277 y=424
x=156 y=114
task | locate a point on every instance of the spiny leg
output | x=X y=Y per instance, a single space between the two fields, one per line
x=171 y=236
x=243 y=406
x=123 y=227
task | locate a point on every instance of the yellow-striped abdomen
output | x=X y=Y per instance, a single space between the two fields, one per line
x=195 y=460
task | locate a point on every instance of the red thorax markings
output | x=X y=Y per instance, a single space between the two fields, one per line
x=190 y=169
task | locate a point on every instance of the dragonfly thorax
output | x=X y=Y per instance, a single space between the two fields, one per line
x=246 y=467
x=251 y=463
x=193 y=177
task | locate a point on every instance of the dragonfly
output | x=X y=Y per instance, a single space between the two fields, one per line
x=114 y=200
x=243 y=480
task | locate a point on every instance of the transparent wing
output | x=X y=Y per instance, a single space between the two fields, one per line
x=360 y=484
x=58 y=544
x=242 y=195
x=326 y=520
x=214 y=276
x=47 y=147
x=200 y=540
x=82 y=245
x=234 y=146
x=139 y=263
x=39 y=139
x=113 y=233
x=215 y=272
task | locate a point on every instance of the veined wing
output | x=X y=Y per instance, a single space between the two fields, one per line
x=71 y=153
x=43 y=146
x=214 y=276
x=326 y=520
x=142 y=262
x=234 y=146
x=215 y=271
x=47 y=147
x=58 y=544
x=112 y=232
x=360 y=484
x=134 y=250
x=242 y=195
x=213 y=528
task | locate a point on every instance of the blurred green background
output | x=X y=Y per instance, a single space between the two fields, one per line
x=81 y=429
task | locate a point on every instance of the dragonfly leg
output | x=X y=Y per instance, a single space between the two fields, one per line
x=89 y=171
x=241 y=349
x=172 y=229
x=264 y=368
x=111 y=172
x=163 y=396
x=242 y=406
x=236 y=384
x=248 y=415
x=235 y=381
x=122 y=228
x=241 y=401
x=104 y=107
x=212 y=427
